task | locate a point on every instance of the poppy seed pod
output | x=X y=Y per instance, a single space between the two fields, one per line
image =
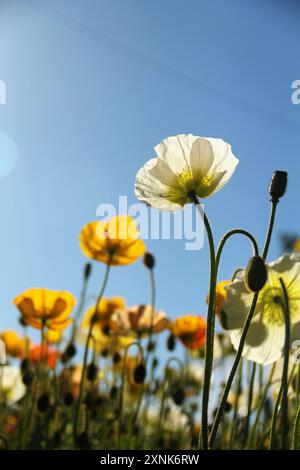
x=171 y=342
x=278 y=185
x=70 y=351
x=149 y=260
x=256 y=274
x=91 y=372
x=139 y=373
x=87 y=271
x=43 y=403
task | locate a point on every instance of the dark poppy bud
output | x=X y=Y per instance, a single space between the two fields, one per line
x=151 y=346
x=68 y=399
x=278 y=185
x=92 y=372
x=256 y=274
x=24 y=365
x=87 y=271
x=70 y=351
x=43 y=403
x=171 y=342
x=27 y=378
x=113 y=392
x=139 y=374
x=149 y=260
x=116 y=358
x=106 y=330
x=22 y=321
x=104 y=352
x=178 y=396
x=82 y=440
x=154 y=363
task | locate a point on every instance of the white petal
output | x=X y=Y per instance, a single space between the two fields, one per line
x=175 y=151
x=224 y=163
x=264 y=342
x=152 y=191
x=201 y=157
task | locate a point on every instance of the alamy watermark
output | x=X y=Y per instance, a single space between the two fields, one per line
x=295 y=97
x=153 y=224
x=2 y=92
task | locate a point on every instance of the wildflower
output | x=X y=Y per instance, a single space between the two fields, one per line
x=15 y=346
x=139 y=319
x=185 y=163
x=191 y=330
x=266 y=335
x=46 y=308
x=114 y=242
x=221 y=296
x=45 y=354
x=12 y=388
x=105 y=309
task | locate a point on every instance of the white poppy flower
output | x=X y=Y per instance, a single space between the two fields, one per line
x=11 y=385
x=184 y=163
x=266 y=336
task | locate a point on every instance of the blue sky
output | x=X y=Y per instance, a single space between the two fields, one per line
x=93 y=86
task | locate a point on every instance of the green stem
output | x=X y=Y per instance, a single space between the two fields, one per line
x=284 y=414
x=236 y=403
x=90 y=332
x=209 y=350
x=260 y=408
x=243 y=337
x=296 y=430
x=250 y=400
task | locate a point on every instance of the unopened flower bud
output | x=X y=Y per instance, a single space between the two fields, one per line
x=91 y=372
x=68 y=399
x=70 y=351
x=116 y=358
x=139 y=373
x=256 y=274
x=27 y=378
x=149 y=260
x=43 y=403
x=178 y=396
x=278 y=185
x=171 y=342
x=113 y=392
x=87 y=271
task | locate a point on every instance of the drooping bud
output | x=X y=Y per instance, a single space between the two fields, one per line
x=256 y=274
x=278 y=185
x=149 y=260
x=91 y=372
x=68 y=399
x=139 y=373
x=43 y=403
x=69 y=352
x=87 y=271
x=171 y=342
x=178 y=396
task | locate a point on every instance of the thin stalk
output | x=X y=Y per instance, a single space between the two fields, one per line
x=209 y=349
x=236 y=403
x=260 y=408
x=284 y=414
x=246 y=327
x=296 y=430
x=250 y=400
x=90 y=333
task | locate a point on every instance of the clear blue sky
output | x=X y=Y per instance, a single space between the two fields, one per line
x=93 y=86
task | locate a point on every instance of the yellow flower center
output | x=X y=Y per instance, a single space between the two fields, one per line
x=186 y=183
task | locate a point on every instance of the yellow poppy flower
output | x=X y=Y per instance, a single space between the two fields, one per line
x=15 y=346
x=46 y=308
x=191 y=330
x=110 y=342
x=104 y=312
x=53 y=336
x=114 y=242
x=221 y=296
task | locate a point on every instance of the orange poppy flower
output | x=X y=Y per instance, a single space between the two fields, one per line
x=191 y=330
x=138 y=319
x=45 y=354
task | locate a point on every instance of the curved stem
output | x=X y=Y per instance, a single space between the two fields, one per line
x=246 y=327
x=90 y=333
x=237 y=231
